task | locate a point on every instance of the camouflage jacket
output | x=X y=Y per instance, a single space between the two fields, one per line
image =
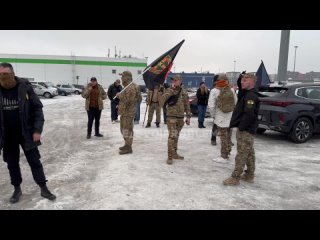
x=181 y=107
x=128 y=99
x=150 y=95
x=86 y=94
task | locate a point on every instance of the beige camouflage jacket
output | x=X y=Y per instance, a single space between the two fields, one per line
x=150 y=94
x=86 y=94
x=128 y=99
x=181 y=107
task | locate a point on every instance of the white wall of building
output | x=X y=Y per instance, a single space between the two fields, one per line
x=63 y=73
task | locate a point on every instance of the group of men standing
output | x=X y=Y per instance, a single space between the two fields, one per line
x=228 y=110
x=236 y=111
x=22 y=119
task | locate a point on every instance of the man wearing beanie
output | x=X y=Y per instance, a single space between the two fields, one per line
x=222 y=101
x=22 y=120
x=94 y=95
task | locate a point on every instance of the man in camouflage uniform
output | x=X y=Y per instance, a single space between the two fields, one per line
x=245 y=118
x=127 y=110
x=153 y=99
x=177 y=104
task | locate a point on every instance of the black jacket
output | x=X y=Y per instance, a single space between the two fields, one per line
x=245 y=114
x=30 y=112
x=202 y=99
x=113 y=90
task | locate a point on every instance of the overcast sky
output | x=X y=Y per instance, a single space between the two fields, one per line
x=209 y=50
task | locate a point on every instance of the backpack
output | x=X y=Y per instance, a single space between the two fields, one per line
x=225 y=100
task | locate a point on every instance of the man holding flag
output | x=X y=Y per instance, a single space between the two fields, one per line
x=156 y=73
x=153 y=75
x=127 y=110
x=177 y=100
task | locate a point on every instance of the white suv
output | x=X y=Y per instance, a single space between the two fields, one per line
x=44 y=91
x=69 y=88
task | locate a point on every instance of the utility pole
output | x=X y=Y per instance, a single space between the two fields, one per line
x=234 y=71
x=73 y=67
x=283 y=56
x=294 y=65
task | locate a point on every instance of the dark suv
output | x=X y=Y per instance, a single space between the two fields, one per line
x=293 y=110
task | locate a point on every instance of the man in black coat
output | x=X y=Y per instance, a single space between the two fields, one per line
x=112 y=92
x=21 y=119
x=245 y=118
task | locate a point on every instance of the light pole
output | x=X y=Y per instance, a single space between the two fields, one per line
x=294 y=64
x=234 y=71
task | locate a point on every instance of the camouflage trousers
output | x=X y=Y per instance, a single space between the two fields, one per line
x=225 y=137
x=174 y=128
x=245 y=154
x=126 y=128
x=154 y=107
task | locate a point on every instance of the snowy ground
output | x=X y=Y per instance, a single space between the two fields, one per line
x=90 y=174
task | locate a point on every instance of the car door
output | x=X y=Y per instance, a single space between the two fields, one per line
x=313 y=96
x=38 y=89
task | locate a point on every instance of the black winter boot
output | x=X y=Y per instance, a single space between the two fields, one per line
x=16 y=194
x=213 y=141
x=46 y=193
x=148 y=125
x=158 y=125
x=88 y=135
x=98 y=135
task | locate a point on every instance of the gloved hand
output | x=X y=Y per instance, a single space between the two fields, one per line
x=188 y=121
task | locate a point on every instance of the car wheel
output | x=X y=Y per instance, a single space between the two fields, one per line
x=261 y=130
x=63 y=94
x=76 y=92
x=301 y=130
x=47 y=95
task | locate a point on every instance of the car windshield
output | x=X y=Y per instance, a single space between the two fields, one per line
x=49 y=84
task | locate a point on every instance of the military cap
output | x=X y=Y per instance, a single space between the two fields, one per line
x=177 y=77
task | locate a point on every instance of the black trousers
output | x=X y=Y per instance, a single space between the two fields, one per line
x=114 y=110
x=94 y=114
x=11 y=155
x=214 y=132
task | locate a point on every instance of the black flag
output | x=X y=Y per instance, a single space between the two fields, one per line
x=159 y=68
x=263 y=79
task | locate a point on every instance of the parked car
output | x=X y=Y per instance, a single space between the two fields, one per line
x=291 y=109
x=69 y=88
x=78 y=86
x=47 y=92
x=193 y=101
x=50 y=84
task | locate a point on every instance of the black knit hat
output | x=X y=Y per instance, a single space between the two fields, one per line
x=215 y=78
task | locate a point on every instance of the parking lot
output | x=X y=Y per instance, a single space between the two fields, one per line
x=90 y=174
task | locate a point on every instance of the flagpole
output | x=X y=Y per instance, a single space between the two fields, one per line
x=133 y=80
x=148 y=103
